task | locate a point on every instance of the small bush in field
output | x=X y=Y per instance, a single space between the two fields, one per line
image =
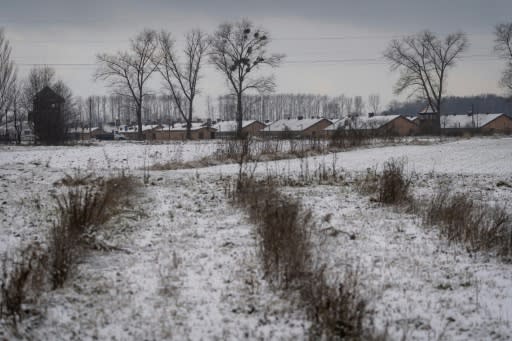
x=393 y=186
x=338 y=311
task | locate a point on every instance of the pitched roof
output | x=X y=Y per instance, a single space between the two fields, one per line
x=230 y=126
x=131 y=129
x=467 y=121
x=48 y=93
x=183 y=127
x=294 y=124
x=374 y=122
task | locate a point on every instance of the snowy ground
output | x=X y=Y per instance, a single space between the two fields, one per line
x=192 y=271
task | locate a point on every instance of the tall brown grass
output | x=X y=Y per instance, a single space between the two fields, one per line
x=82 y=209
x=284 y=231
x=462 y=219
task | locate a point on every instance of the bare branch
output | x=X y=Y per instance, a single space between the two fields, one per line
x=423 y=61
x=181 y=79
x=7 y=73
x=237 y=51
x=503 y=47
x=131 y=70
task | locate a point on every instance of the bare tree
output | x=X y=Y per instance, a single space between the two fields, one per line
x=503 y=46
x=128 y=72
x=19 y=114
x=181 y=79
x=7 y=75
x=374 y=103
x=348 y=105
x=238 y=50
x=423 y=61
x=37 y=79
x=358 y=105
x=210 y=109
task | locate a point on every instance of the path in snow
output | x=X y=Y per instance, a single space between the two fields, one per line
x=192 y=274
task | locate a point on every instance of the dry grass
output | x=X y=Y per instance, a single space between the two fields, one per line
x=285 y=247
x=21 y=281
x=283 y=230
x=229 y=151
x=481 y=227
x=81 y=210
x=338 y=312
x=391 y=186
x=394 y=184
x=35 y=269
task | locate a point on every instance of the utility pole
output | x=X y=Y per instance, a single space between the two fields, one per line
x=90 y=115
x=473 y=114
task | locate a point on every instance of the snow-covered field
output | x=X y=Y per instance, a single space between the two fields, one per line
x=191 y=269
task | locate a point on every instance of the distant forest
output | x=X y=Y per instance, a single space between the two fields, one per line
x=457 y=105
x=96 y=110
x=279 y=106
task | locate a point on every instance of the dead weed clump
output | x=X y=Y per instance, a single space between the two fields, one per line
x=81 y=210
x=338 y=311
x=283 y=230
x=481 y=227
x=21 y=281
x=391 y=186
x=393 y=183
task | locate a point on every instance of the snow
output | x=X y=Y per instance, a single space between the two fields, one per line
x=365 y=122
x=467 y=156
x=182 y=127
x=419 y=285
x=467 y=121
x=293 y=124
x=191 y=270
x=230 y=126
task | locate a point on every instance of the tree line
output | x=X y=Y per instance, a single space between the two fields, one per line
x=488 y=103
x=281 y=106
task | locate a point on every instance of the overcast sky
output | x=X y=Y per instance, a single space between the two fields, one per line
x=332 y=47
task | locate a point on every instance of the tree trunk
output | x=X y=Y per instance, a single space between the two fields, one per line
x=239 y=115
x=189 y=121
x=140 y=134
x=437 y=121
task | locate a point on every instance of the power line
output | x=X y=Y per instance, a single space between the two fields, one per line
x=364 y=61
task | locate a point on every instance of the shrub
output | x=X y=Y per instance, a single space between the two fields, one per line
x=462 y=219
x=21 y=279
x=393 y=184
x=82 y=209
x=338 y=312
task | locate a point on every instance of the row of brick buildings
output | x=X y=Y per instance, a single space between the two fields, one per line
x=390 y=125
